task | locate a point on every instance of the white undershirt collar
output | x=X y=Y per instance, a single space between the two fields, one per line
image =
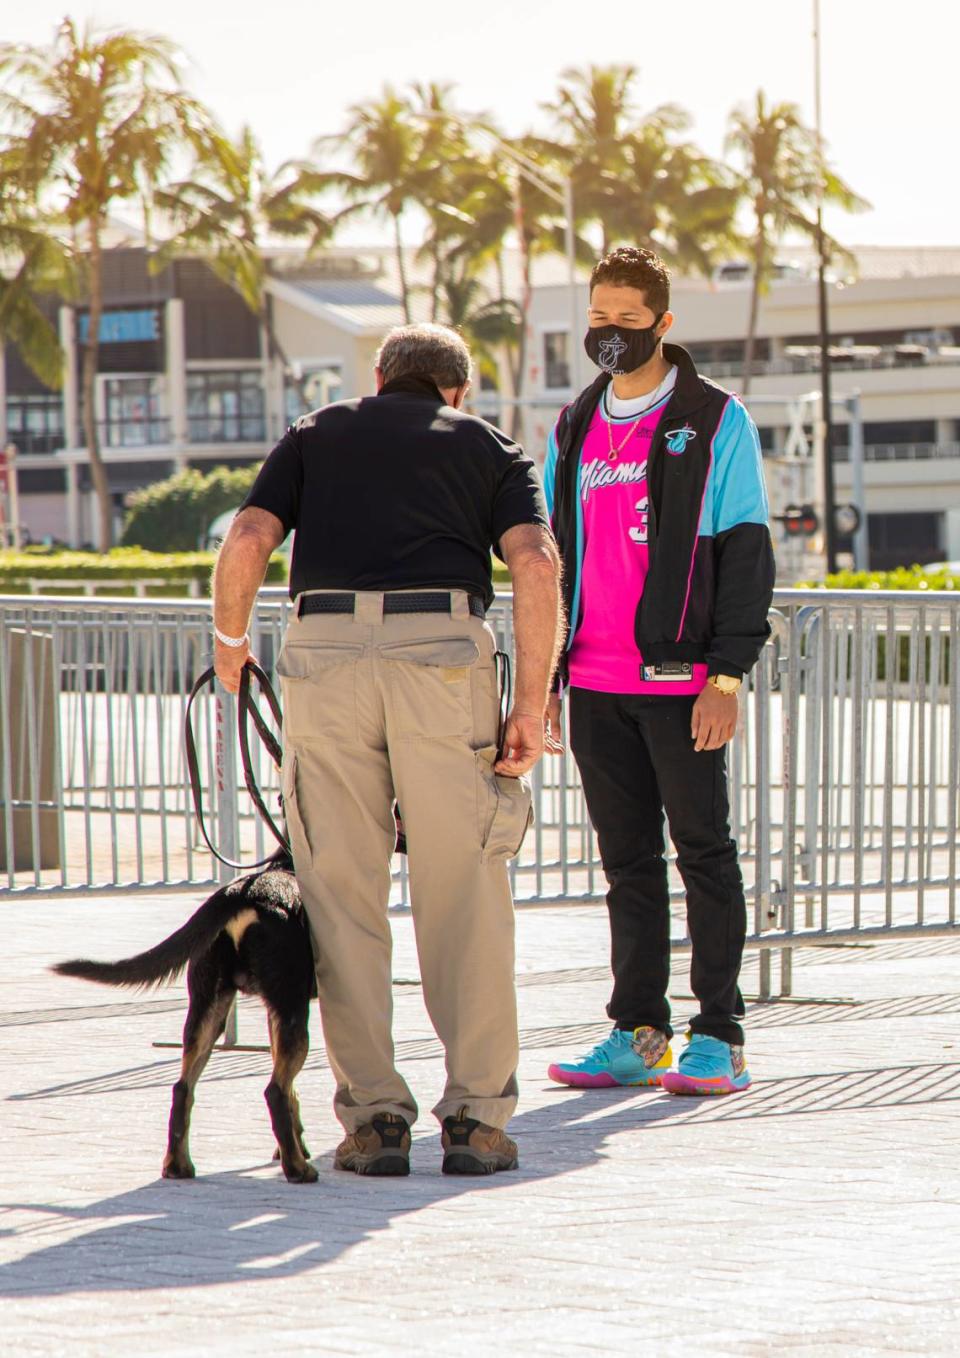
x=616 y=408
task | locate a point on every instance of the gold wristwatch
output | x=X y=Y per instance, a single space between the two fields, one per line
x=725 y=683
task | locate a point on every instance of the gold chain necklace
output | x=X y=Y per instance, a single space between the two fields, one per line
x=614 y=453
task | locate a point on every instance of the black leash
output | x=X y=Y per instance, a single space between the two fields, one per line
x=246 y=707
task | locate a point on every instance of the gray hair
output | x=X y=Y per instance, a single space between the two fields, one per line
x=425 y=351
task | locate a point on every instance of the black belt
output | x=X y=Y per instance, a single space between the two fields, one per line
x=407 y=601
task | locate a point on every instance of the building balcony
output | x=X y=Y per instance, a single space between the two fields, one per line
x=802 y=359
x=900 y=452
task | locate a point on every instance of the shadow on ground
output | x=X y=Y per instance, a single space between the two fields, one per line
x=248 y=1225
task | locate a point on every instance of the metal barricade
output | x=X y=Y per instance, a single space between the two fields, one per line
x=843 y=775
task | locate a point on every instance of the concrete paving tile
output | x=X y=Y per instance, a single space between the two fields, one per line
x=825 y=1205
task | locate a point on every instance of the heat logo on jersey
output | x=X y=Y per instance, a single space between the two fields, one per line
x=676 y=440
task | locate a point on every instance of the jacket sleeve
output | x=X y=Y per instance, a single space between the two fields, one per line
x=743 y=552
x=550 y=471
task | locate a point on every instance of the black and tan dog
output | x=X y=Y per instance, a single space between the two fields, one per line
x=250 y=936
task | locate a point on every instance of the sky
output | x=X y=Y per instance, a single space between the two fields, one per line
x=291 y=69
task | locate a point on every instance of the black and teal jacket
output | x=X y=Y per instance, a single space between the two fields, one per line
x=711 y=570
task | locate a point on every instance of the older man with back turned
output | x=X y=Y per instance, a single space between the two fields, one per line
x=390 y=690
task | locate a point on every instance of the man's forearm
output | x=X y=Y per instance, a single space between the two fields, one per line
x=538 y=632
x=237 y=577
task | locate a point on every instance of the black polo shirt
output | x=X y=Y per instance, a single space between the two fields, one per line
x=397 y=491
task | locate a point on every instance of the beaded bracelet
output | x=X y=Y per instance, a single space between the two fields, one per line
x=230 y=641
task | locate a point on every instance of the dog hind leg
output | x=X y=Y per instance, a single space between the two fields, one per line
x=290 y=1045
x=206 y=1019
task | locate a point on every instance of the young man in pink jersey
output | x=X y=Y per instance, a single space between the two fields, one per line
x=654 y=482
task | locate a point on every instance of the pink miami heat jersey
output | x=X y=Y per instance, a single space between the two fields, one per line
x=615 y=507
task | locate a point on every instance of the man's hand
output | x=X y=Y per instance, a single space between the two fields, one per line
x=228 y=661
x=522 y=743
x=552 y=726
x=714 y=719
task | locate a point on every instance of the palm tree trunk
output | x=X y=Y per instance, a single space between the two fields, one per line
x=526 y=301
x=91 y=358
x=750 y=344
x=401 y=266
x=401 y=269
x=512 y=351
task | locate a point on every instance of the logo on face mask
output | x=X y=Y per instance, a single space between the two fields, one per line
x=610 y=352
x=676 y=440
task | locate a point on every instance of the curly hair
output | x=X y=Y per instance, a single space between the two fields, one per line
x=630 y=266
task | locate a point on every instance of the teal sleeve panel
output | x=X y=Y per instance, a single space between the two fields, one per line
x=739 y=493
x=550 y=470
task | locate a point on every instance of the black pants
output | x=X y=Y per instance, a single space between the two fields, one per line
x=637 y=760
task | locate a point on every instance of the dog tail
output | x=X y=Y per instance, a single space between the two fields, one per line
x=167 y=959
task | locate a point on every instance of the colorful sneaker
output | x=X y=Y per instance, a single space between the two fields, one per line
x=708 y=1066
x=624 y=1058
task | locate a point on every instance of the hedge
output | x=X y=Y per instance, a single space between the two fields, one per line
x=122 y=568
x=174 y=515
x=903 y=577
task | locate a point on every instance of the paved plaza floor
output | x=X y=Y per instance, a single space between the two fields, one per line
x=817 y=1214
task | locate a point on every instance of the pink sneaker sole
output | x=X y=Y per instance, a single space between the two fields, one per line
x=582 y=1080
x=675 y=1083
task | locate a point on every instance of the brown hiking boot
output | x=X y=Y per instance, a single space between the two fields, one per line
x=378 y=1147
x=471 y=1147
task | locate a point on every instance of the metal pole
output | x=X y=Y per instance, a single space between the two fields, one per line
x=228 y=825
x=826 y=409
x=861 y=538
x=569 y=237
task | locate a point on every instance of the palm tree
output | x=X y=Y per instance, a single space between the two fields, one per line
x=230 y=209
x=634 y=177
x=96 y=117
x=36 y=264
x=779 y=180
x=386 y=143
x=594 y=111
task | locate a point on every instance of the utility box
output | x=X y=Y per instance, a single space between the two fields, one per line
x=28 y=751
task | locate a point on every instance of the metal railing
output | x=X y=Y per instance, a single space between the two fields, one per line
x=844 y=773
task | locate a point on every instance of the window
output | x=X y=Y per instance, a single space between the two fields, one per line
x=132 y=412
x=902 y=539
x=225 y=406
x=317 y=387
x=35 y=423
x=556 y=359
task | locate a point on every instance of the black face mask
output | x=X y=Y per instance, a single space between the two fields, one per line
x=617 y=350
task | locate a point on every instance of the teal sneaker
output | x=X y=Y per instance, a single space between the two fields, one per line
x=639 y=1057
x=708 y=1066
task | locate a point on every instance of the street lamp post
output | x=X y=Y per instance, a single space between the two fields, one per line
x=826 y=407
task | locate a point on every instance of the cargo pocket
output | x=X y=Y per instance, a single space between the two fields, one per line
x=319 y=686
x=430 y=689
x=504 y=808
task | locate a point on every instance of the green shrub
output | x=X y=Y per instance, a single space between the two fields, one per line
x=172 y=572
x=903 y=577
x=174 y=515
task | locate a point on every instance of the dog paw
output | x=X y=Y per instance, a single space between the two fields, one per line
x=179 y=1169
x=304 y=1174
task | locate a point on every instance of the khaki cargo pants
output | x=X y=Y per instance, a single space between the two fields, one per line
x=404 y=706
